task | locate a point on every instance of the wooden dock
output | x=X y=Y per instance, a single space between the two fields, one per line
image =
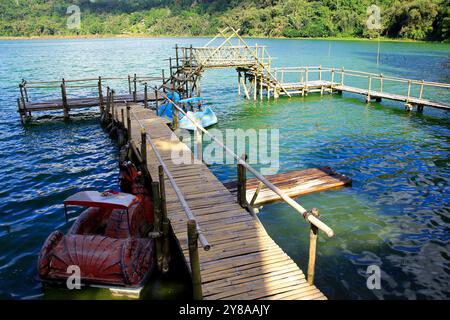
x=293 y=183
x=243 y=262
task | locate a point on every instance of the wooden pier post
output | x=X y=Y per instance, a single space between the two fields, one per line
x=421 y=89
x=100 y=94
x=312 y=247
x=156 y=100
x=170 y=67
x=199 y=145
x=21 y=112
x=156 y=195
x=122 y=117
x=135 y=88
x=332 y=80
x=143 y=148
x=194 y=260
x=368 y=99
x=164 y=222
x=128 y=121
x=242 y=184
x=320 y=73
x=145 y=96
x=176 y=55
x=175 y=119
x=129 y=84
x=64 y=100
x=239 y=83
x=113 y=106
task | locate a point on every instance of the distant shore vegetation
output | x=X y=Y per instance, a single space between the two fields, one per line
x=427 y=20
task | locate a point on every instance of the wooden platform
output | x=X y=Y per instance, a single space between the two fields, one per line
x=82 y=102
x=327 y=86
x=243 y=262
x=293 y=183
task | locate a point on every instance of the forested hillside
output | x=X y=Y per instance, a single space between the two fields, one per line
x=412 y=19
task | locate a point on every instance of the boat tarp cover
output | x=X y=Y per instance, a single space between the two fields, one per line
x=109 y=200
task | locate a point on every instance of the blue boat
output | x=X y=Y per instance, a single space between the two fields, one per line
x=204 y=116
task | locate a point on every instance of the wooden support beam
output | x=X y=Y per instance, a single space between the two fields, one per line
x=312 y=247
x=64 y=100
x=156 y=197
x=156 y=100
x=165 y=224
x=100 y=94
x=135 y=88
x=128 y=121
x=145 y=96
x=194 y=259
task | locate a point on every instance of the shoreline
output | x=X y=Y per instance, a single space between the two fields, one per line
x=131 y=36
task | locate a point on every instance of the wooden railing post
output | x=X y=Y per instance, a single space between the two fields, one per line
x=381 y=83
x=100 y=94
x=194 y=260
x=145 y=96
x=122 y=117
x=320 y=73
x=409 y=88
x=129 y=84
x=368 y=99
x=113 y=106
x=176 y=54
x=421 y=90
x=199 y=145
x=175 y=119
x=128 y=122
x=164 y=222
x=342 y=76
x=144 y=148
x=242 y=184
x=64 y=100
x=156 y=100
x=332 y=80
x=312 y=247
x=135 y=88
x=157 y=222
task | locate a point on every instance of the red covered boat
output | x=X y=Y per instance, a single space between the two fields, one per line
x=108 y=241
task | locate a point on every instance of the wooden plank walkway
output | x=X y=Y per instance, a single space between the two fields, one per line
x=293 y=183
x=82 y=102
x=243 y=262
x=324 y=85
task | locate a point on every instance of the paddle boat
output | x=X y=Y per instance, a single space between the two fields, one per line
x=204 y=116
x=108 y=241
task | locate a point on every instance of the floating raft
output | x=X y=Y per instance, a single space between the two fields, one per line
x=293 y=183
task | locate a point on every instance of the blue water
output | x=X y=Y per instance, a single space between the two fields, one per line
x=395 y=215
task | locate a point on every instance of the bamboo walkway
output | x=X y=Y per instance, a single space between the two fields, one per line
x=243 y=262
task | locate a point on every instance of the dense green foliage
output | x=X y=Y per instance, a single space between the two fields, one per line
x=413 y=19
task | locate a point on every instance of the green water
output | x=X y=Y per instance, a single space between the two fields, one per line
x=395 y=215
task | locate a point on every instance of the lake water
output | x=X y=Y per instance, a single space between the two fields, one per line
x=395 y=215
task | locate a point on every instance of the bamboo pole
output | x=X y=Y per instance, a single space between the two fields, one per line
x=421 y=90
x=135 y=88
x=242 y=184
x=100 y=94
x=312 y=247
x=194 y=260
x=157 y=221
x=164 y=222
x=143 y=148
x=128 y=121
x=145 y=96
x=199 y=145
x=64 y=100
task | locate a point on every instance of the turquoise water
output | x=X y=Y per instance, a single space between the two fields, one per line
x=395 y=215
